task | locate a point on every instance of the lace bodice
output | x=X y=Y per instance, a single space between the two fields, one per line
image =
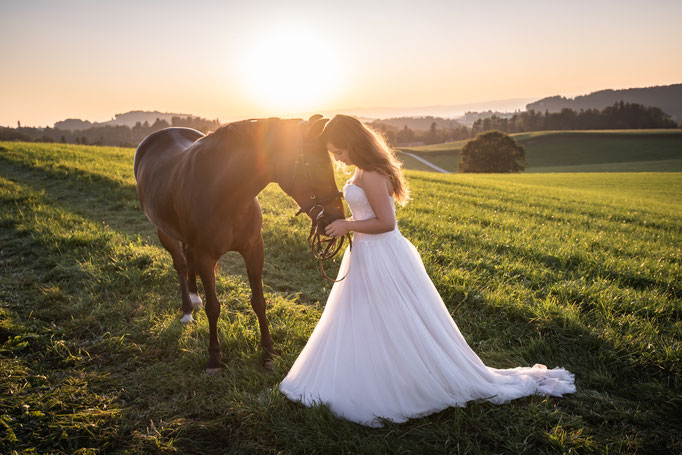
x=361 y=209
x=357 y=201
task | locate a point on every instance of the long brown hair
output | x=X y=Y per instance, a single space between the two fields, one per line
x=368 y=150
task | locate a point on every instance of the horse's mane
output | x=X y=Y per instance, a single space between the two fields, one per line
x=247 y=131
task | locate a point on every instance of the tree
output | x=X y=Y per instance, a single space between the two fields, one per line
x=433 y=136
x=405 y=136
x=492 y=151
x=160 y=124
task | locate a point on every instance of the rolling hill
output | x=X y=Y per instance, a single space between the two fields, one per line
x=575 y=151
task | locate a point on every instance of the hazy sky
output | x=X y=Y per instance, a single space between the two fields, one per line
x=231 y=60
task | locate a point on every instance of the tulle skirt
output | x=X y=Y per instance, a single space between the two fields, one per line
x=387 y=347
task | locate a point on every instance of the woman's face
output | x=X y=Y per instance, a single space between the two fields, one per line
x=339 y=154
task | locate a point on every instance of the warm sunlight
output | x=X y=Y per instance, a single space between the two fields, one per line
x=291 y=70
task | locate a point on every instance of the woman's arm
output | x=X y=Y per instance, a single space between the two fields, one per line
x=375 y=186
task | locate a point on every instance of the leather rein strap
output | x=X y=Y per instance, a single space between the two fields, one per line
x=326 y=248
x=323 y=248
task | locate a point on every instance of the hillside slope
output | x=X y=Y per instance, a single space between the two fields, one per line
x=574 y=270
x=578 y=151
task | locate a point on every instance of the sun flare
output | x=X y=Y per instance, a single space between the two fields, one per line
x=291 y=70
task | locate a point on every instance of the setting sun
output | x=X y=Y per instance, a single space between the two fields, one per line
x=290 y=70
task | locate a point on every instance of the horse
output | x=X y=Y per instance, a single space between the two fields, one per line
x=200 y=192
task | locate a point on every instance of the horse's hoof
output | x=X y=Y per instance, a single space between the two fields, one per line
x=213 y=371
x=268 y=364
x=196 y=301
x=187 y=318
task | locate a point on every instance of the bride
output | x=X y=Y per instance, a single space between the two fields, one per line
x=386 y=346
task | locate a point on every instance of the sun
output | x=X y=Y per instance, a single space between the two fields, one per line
x=291 y=70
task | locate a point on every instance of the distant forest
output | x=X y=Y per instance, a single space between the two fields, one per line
x=431 y=130
x=396 y=135
x=666 y=97
x=117 y=135
x=619 y=116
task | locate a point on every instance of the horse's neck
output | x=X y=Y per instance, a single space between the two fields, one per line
x=268 y=155
x=257 y=159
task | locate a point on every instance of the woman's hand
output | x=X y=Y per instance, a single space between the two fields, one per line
x=337 y=228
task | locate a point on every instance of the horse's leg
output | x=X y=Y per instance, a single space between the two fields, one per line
x=254 y=256
x=206 y=266
x=192 y=278
x=180 y=264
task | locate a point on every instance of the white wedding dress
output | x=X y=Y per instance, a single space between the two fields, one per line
x=386 y=345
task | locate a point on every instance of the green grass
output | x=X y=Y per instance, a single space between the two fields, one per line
x=581 y=271
x=577 y=151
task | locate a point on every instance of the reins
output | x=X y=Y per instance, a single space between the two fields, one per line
x=326 y=248
x=322 y=249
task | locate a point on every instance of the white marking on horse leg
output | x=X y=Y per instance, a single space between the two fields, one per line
x=213 y=371
x=196 y=301
x=187 y=318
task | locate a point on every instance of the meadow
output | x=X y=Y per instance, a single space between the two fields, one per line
x=575 y=151
x=578 y=270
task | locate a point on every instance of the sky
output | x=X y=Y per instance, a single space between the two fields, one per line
x=234 y=60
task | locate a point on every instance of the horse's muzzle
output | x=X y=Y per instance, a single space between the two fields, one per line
x=321 y=221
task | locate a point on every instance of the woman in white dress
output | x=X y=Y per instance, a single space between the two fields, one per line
x=386 y=345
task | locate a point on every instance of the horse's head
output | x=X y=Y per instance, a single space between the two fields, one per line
x=310 y=179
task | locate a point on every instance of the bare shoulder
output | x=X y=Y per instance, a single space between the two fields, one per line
x=374 y=180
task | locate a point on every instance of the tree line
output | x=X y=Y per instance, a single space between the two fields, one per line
x=619 y=116
x=119 y=135
x=434 y=135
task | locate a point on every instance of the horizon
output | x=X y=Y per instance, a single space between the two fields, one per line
x=232 y=61
x=378 y=112
x=373 y=113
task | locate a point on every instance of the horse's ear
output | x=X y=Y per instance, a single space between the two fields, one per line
x=317 y=125
x=314 y=118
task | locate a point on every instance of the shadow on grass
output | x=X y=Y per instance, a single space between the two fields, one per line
x=106 y=201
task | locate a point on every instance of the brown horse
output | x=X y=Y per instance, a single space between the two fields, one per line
x=199 y=191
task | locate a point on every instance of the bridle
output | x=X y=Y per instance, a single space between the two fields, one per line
x=322 y=248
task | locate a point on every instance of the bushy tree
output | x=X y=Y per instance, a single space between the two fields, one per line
x=405 y=135
x=492 y=151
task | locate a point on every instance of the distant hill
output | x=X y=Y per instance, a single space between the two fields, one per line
x=127 y=119
x=668 y=98
x=73 y=124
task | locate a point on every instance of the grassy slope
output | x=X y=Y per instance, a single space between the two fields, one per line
x=580 y=151
x=577 y=270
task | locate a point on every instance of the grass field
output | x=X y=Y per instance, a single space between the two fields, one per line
x=582 y=271
x=576 y=151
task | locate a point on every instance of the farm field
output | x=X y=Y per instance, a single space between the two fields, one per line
x=578 y=270
x=576 y=151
